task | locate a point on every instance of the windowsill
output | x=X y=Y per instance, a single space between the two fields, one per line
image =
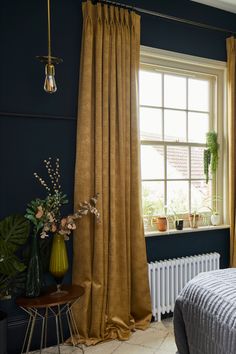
x=185 y=230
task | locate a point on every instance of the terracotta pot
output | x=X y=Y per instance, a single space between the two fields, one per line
x=193 y=220
x=162 y=223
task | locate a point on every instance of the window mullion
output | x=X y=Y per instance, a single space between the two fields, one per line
x=163 y=138
x=189 y=147
x=158 y=142
x=163 y=120
x=165 y=174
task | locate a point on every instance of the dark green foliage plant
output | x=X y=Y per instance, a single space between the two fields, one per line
x=211 y=154
x=14 y=232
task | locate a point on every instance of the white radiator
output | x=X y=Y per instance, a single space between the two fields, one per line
x=167 y=279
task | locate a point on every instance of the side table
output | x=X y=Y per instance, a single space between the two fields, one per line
x=51 y=303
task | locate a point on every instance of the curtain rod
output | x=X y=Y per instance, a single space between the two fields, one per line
x=168 y=17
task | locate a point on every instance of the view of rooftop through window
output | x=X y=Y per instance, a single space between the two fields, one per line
x=175 y=115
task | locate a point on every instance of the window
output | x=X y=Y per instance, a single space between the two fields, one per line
x=178 y=106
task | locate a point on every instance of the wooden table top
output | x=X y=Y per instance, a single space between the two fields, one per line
x=47 y=299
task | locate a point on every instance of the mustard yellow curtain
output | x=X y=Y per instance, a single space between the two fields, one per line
x=110 y=258
x=231 y=81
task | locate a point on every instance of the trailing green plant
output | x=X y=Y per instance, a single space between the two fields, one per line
x=207 y=161
x=14 y=232
x=211 y=154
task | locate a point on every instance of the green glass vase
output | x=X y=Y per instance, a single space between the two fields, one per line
x=34 y=278
x=58 y=261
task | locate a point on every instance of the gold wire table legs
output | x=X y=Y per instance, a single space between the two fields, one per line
x=29 y=330
x=55 y=312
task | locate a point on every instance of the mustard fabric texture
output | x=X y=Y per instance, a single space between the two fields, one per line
x=110 y=258
x=231 y=82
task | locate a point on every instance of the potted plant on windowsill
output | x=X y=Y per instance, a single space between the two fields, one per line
x=174 y=217
x=215 y=218
x=176 y=221
x=215 y=215
x=194 y=218
x=179 y=224
x=160 y=221
x=14 y=231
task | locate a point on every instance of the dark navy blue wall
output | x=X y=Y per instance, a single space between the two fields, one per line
x=35 y=125
x=169 y=35
x=189 y=244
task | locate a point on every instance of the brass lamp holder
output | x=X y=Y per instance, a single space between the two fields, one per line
x=49 y=60
x=45 y=59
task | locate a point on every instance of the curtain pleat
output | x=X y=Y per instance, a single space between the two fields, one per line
x=110 y=258
x=231 y=82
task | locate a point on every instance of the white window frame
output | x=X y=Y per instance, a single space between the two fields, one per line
x=173 y=61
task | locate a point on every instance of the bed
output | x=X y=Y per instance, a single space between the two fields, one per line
x=205 y=314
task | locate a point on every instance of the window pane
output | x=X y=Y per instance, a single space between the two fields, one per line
x=153 y=198
x=152 y=162
x=178 y=196
x=200 y=191
x=198 y=95
x=174 y=91
x=150 y=123
x=198 y=126
x=197 y=162
x=174 y=125
x=150 y=88
x=177 y=162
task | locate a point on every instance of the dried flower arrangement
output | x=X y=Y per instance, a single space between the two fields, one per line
x=45 y=214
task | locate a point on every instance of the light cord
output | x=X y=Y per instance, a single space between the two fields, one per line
x=49 y=34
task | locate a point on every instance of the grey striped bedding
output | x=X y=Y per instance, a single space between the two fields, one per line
x=205 y=314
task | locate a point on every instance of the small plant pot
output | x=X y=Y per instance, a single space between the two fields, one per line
x=193 y=220
x=215 y=219
x=179 y=224
x=161 y=223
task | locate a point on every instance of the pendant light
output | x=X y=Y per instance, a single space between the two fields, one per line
x=50 y=61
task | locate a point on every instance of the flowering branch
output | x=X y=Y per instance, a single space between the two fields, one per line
x=68 y=224
x=45 y=214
